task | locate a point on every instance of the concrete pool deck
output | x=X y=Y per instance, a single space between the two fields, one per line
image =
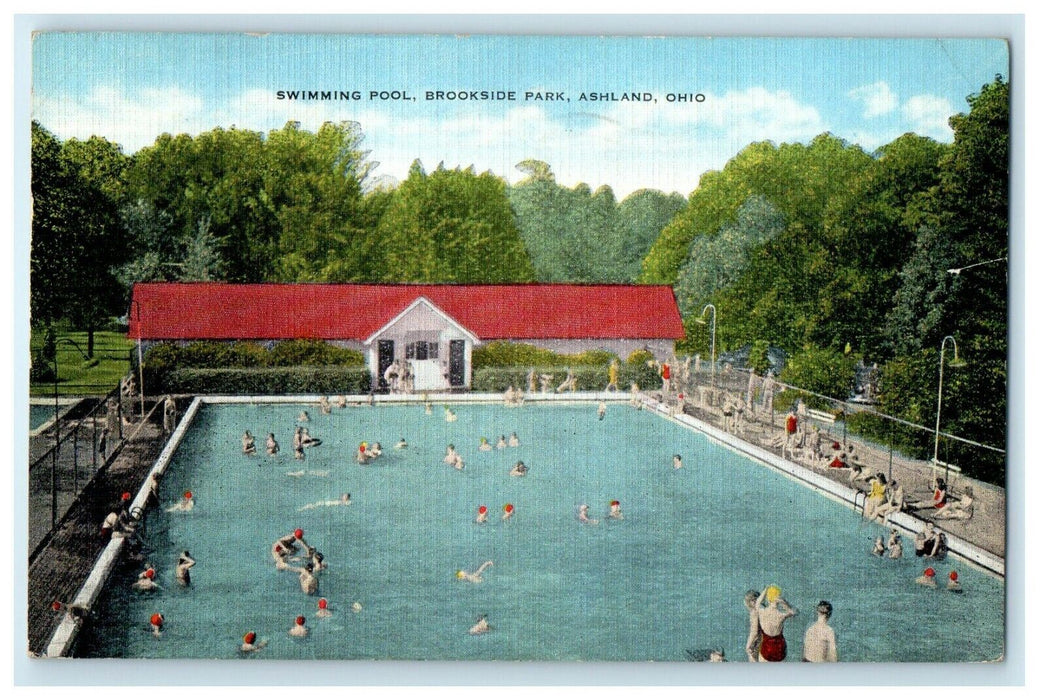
x=95 y=576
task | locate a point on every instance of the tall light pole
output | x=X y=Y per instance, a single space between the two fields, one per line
x=58 y=430
x=955 y=362
x=701 y=319
x=957 y=270
x=141 y=372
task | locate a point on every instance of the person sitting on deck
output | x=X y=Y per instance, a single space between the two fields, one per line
x=894 y=503
x=939 y=499
x=876 y=497
x=961 y=510
x=568 y=384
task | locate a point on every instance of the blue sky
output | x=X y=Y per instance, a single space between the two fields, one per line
x=132 y=87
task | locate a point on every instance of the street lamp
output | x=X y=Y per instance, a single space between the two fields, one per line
x=701 y=320
x=141 y=372
x=956 y=270
x=58 y=429
x=955 y=362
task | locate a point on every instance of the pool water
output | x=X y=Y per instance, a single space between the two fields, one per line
x=668 y=577
x=39 y=414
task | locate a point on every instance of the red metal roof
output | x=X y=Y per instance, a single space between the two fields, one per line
x=222 y=311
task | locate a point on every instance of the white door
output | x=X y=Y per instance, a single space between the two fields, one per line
x=428 y=375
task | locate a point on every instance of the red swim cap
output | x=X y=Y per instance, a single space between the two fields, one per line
x=929 y=573
x=156 y=620
x=300 y=620
x=954 y=576
x=615 y=503
x=149 y=573
x=125 y=496
x=188 y=494
x=322 y=604
x=249 y=638
x=56 y=606
x=508 y=508
x=482 y=509
x=299 y=533
x=835 y=445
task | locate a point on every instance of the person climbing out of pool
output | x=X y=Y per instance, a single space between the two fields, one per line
x=146 y=581
x=271 y=446
x=615 y=510
x=247 y=441
x=251 y=643
x=186 y=503
x=755 y=635
x=582 y=515
x=509 y=511
x=513 y=440
x=299 y=629
x=928 y=578
x=879 y=549
x=601 y=411
x=322 y=609
x=481 y=626
x=344 y=500
x=473 y=576
x=953 y=582
x=519 y=470
x=773 y=611
x=181 y=569
x=156 y=621
x=484 y=445
x=819 y=642
x=893 y=545
x=502 y=443
x=481 y=514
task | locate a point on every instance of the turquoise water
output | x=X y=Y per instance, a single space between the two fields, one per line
x=40 y=414
x=668 y=577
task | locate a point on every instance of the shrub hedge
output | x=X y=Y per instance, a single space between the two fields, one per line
x=497 y=379
x=268 y=380
x=505 y=354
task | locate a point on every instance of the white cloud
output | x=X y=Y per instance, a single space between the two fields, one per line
x=878 y=99
x=929 y=115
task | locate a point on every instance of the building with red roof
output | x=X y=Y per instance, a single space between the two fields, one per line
x=433 y=327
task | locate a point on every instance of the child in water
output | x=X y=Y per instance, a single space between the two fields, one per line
x=615 y=510
x=299 y=629
x=481 y=514
x=878 y=549
x=186 y=503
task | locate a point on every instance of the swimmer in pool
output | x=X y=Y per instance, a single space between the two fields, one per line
x=251 y=643
x=484 y=445
x=247 y=440
x=306 y=577
x=519 y=470
x=428 y=409
x=879 y=549
x=156 y=623
x=481 y=514
x=303 y=417
x=146 y=581
x=582 y=515
x=459 y=463
x=602 y=410
x=615 y=510
x=401 y=445
x=340 y=401
x=953 y=582
x=449 y=415
x=362 y=456
x=316 y=559
x=271 y=446
x=929 y=578
x=501 y=443
x=481 y=626
x=513 y=440
x=474 y=576
x=893 y=545
x=677 y=462
x=308 y=440
x=346 y=499
x=325 y=405
x=299 y=629
x=374 y=450
x=451 y=455
x=181 y=569
x=186 y=503
x=509 y=511
x=321 y=608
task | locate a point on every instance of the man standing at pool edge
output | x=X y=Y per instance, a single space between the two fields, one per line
x=772 y=617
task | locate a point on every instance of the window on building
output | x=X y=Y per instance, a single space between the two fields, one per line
x=422 y=350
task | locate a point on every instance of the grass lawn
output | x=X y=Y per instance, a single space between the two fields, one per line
x=75 y=377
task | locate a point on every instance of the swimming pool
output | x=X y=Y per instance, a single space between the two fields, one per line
x=667 y=578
